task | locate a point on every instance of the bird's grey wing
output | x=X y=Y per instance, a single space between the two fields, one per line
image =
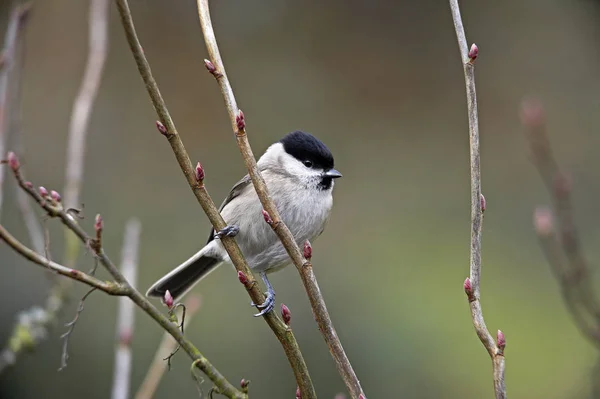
x=237 y=189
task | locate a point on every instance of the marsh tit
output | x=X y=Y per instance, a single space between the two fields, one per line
x=299 y=174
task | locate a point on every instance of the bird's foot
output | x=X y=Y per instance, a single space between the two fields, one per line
x=228 y=231
x=267 y=305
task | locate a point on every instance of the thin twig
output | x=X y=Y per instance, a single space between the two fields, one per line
x=472 y=284
x=54 y=209
x=14 y=122
x=82 y=106
x=304 y=266
x=560 y=240
x=71 y=327
x=108 y=287
x=167 y=346
x=126 y=315
x=166 y=126
x=11 y=39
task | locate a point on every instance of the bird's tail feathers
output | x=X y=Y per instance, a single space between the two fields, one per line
x=180 y=280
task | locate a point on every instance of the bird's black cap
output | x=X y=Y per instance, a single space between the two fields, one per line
x=306 y=147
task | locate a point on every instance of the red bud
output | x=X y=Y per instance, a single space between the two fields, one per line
x=298 y=393
x=473 y=52
x=286 y=314
x=501 y=341
x=43 y=192
x=99 y=224
x=28 y=184
x=267 y=217
x=168 y=299
x=199 y=172
x=55 y=196
x=13 y=161
x=483 y=203
x=243 y=278
x=244 y=383
x=161 y=128
x=240 y=120
x=361 y=396
x=307 y=250
x=210 y=66
x=468 y=289
x=542 y=220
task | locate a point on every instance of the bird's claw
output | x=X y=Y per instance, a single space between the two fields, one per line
x=228 y=231
x=267 y=305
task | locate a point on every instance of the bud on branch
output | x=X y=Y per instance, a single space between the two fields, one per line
x=199 y=173
x=307 y=250
x=13 y=161
x=501 y=342
x=240 y=120
x=243 y=278
x=469 y=289
x=161 y=128
x=267 y=218
x=286 y=314
x=168 y=299
x=473 y=53
x=55 y=196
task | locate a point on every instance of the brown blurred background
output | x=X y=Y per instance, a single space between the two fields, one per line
x=381 y=83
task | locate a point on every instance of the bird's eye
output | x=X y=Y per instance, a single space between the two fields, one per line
x=308 y=164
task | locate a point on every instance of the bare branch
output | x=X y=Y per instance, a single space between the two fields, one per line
x=98 y=22
x=71 y=327
x=560 y=240
x=109 y=288
x=166 y=347
x=126 y=315
x=14 y=124
x=11 y=40
x=55 y=210
x=82 y=107
x=168 y=129
x=472 y=284
x=217 y=69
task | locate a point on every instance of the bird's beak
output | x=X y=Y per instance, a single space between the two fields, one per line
x=334 y=174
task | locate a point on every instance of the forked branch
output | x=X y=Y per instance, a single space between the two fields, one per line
x=52 y=205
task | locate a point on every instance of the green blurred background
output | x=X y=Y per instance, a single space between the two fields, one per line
x=381 y=83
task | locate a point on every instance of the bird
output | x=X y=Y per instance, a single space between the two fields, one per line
x=299 y=173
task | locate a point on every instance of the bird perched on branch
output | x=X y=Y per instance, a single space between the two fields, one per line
x=299 y=174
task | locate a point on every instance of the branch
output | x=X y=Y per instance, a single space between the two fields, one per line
x=472 y=284
x=216 y=67
x=51 y=204
x=126 y=315
x=82 y=106
x=574 y=274
x=60 y=291
x=107 y=287
x=158 y=367
x=196 y=182
x=14 y=124
x=11 y=39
